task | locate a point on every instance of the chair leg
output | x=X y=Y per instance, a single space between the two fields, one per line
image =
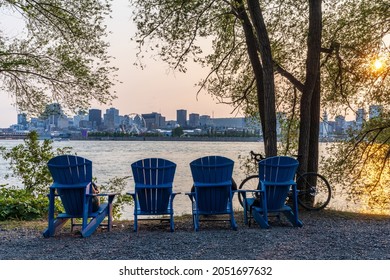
x=233 y=223
x=262 y=220
x=196 y=222
x=72 y=223
x=109 y=216
x=93 y=224
x=54 y=227
x=293 y=214
x=51 y=221
x=135 y=223
x=293 y=219
x=172 y=223
x=245 y=212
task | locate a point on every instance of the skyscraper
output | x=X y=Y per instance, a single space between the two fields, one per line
x=22 y=119
x=111 y=119
x=194 y=120
x=154 y=120
x=181 y=117
x=95 y=117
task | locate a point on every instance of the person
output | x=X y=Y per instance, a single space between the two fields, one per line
x=95 y=199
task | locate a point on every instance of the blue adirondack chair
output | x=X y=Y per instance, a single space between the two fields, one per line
x=72 y=176
x=153 y=193
x=276 y=182
x=212 y=193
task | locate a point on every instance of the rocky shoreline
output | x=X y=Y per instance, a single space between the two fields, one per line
x=326 y=235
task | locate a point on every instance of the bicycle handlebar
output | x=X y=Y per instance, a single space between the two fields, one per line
x=256 y=156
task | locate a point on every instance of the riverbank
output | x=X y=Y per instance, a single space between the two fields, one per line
x=326 y=235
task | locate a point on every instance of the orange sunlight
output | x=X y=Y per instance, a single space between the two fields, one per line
x=378 y=64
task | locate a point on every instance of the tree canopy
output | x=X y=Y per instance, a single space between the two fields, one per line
x=58 y=56
x=352 y=36
x=323 y=54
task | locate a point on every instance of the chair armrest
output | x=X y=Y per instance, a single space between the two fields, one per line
x=144 y=186
x=246 y=191
x=191 y=196
x=285 y=183
x=174 y=194
x=102 y=194
x=56 y=194
x=69 y=186
x=219 y=184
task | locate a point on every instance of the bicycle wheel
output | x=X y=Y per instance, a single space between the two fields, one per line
x=314 y=191
x=249 y=183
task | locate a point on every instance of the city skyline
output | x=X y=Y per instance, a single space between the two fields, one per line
x=54 y=119
x=183 y=116
x=154 y=89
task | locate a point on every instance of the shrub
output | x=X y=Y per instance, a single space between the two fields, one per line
x=117 y=185
x=28 y=162
x=20 y=204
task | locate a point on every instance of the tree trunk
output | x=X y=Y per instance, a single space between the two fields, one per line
x=312 y=73
x=270 y=140
x=254 y=59
x=315 y=111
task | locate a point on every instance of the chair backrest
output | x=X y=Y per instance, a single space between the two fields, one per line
x=68 y=171
x=277 y=169
x=153 y=183
x=212 y=177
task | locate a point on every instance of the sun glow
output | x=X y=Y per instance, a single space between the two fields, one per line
x=378 y=64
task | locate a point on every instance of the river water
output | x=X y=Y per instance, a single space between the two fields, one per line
x=113 y=158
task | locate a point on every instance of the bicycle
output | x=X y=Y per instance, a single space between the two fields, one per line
x=314 y=191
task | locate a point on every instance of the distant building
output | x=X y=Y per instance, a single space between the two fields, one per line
x=63 y=122
x=54 y=117
x=37 y=124
x=95 y=117
x=154 y=120
x=205 y=121
x=111 y=119
x=22 y=121
x=360 y=118
x=171 y=124
x=224 y=123
x=85 y=124
x=340 y=125
x=375 y=111
x=194 y=120
x=78 y=118
x=181 y=117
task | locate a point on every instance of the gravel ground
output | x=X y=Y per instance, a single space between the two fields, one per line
x=326 y=235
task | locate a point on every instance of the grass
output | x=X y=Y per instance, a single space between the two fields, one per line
x=16 y=224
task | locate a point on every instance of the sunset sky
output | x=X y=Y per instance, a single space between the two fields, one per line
x=154 y=89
